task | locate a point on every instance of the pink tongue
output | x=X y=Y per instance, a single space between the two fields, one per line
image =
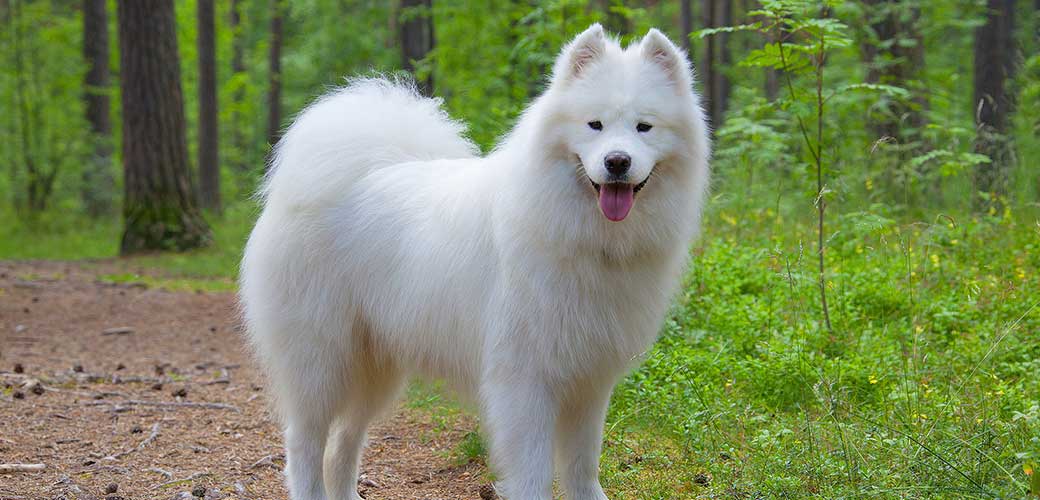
x=615 y=200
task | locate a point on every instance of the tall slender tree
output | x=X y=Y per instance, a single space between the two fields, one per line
x=274 y=61
x=708 y=68
x=724 y=17
x=893 y=52
x=717 y=58
x=209 y=165
x=238 y=67
x=417 y=38
x=98 y=183
x=686 y=23
x=994 y=66
x=614 y=20
x=159 y=206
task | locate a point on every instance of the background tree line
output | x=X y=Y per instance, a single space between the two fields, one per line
x=186 y=98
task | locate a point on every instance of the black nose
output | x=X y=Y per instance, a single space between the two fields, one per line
x=617 y=162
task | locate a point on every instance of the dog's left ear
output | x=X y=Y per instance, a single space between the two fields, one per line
x=659 y=50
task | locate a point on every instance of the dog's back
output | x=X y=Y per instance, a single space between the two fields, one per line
x=369 y=124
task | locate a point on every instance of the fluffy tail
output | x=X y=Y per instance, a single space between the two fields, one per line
x=369 y=124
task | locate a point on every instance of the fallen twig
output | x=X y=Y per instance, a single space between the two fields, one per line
x=166 y=474
x=166 y=404
x=151 y=437
x=268 y=461
x=187 y=479
x=12 y=468
x=119 y=330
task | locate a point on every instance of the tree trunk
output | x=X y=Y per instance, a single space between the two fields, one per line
x=724 y=13
x=708 y=66
x=613 y=21
x=417 y=38
x=158 y=206
x=98 y=183
x=274 y=90
x=773 y=75
x=894 y=55
x=238 y=139
x=994 y=66
x=686 y=24
x=209 y=165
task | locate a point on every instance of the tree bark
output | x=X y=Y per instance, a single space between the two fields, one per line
x=724 y=13
x=894 y=55
x=417 y=38
x=708 y=66
x=98 y=182
x=274 y=89
x=209 y=165
x=238 y=139
x=159 y=206
x=686 y=23
x=773 y=75
x=614 y=21
x=994 y=66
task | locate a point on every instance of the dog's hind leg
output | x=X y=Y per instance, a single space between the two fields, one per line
x=305 y=368
x=373 y=383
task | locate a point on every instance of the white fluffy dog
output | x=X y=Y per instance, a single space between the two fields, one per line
x=530 y=278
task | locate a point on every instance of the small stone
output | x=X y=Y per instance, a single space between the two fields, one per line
x=111 y=488
x=18 y=368
x=157 y=386
x=368 y=483
x=487 y=492
x=180 y=393
x=78 y=368
x=198 y=491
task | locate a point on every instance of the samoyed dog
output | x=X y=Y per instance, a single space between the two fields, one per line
x=529 y=278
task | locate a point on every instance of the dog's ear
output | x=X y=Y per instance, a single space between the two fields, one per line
x=576 y=57
x=659 y=50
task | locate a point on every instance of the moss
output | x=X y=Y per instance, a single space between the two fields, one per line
x=163 y=226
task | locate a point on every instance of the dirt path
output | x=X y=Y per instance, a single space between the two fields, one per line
x=100 y=414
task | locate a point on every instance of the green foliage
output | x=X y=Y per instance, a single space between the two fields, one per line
x=925 y=387
x=42 y=128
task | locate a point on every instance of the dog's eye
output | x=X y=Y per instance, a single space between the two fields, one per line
x=596 y=125
x=644 y=127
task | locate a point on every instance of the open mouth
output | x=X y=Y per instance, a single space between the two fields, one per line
x=616 y=198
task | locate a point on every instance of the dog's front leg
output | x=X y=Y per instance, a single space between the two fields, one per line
x=579 y=438
x=520 y=413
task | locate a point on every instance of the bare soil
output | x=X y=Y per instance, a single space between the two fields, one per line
x=126 y=391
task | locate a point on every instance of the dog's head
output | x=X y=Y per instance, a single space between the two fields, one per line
x=623 y=116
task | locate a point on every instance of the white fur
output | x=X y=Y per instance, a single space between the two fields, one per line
x=387 y=248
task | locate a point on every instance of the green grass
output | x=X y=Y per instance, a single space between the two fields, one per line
x=927 y=387
x=58 y=236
